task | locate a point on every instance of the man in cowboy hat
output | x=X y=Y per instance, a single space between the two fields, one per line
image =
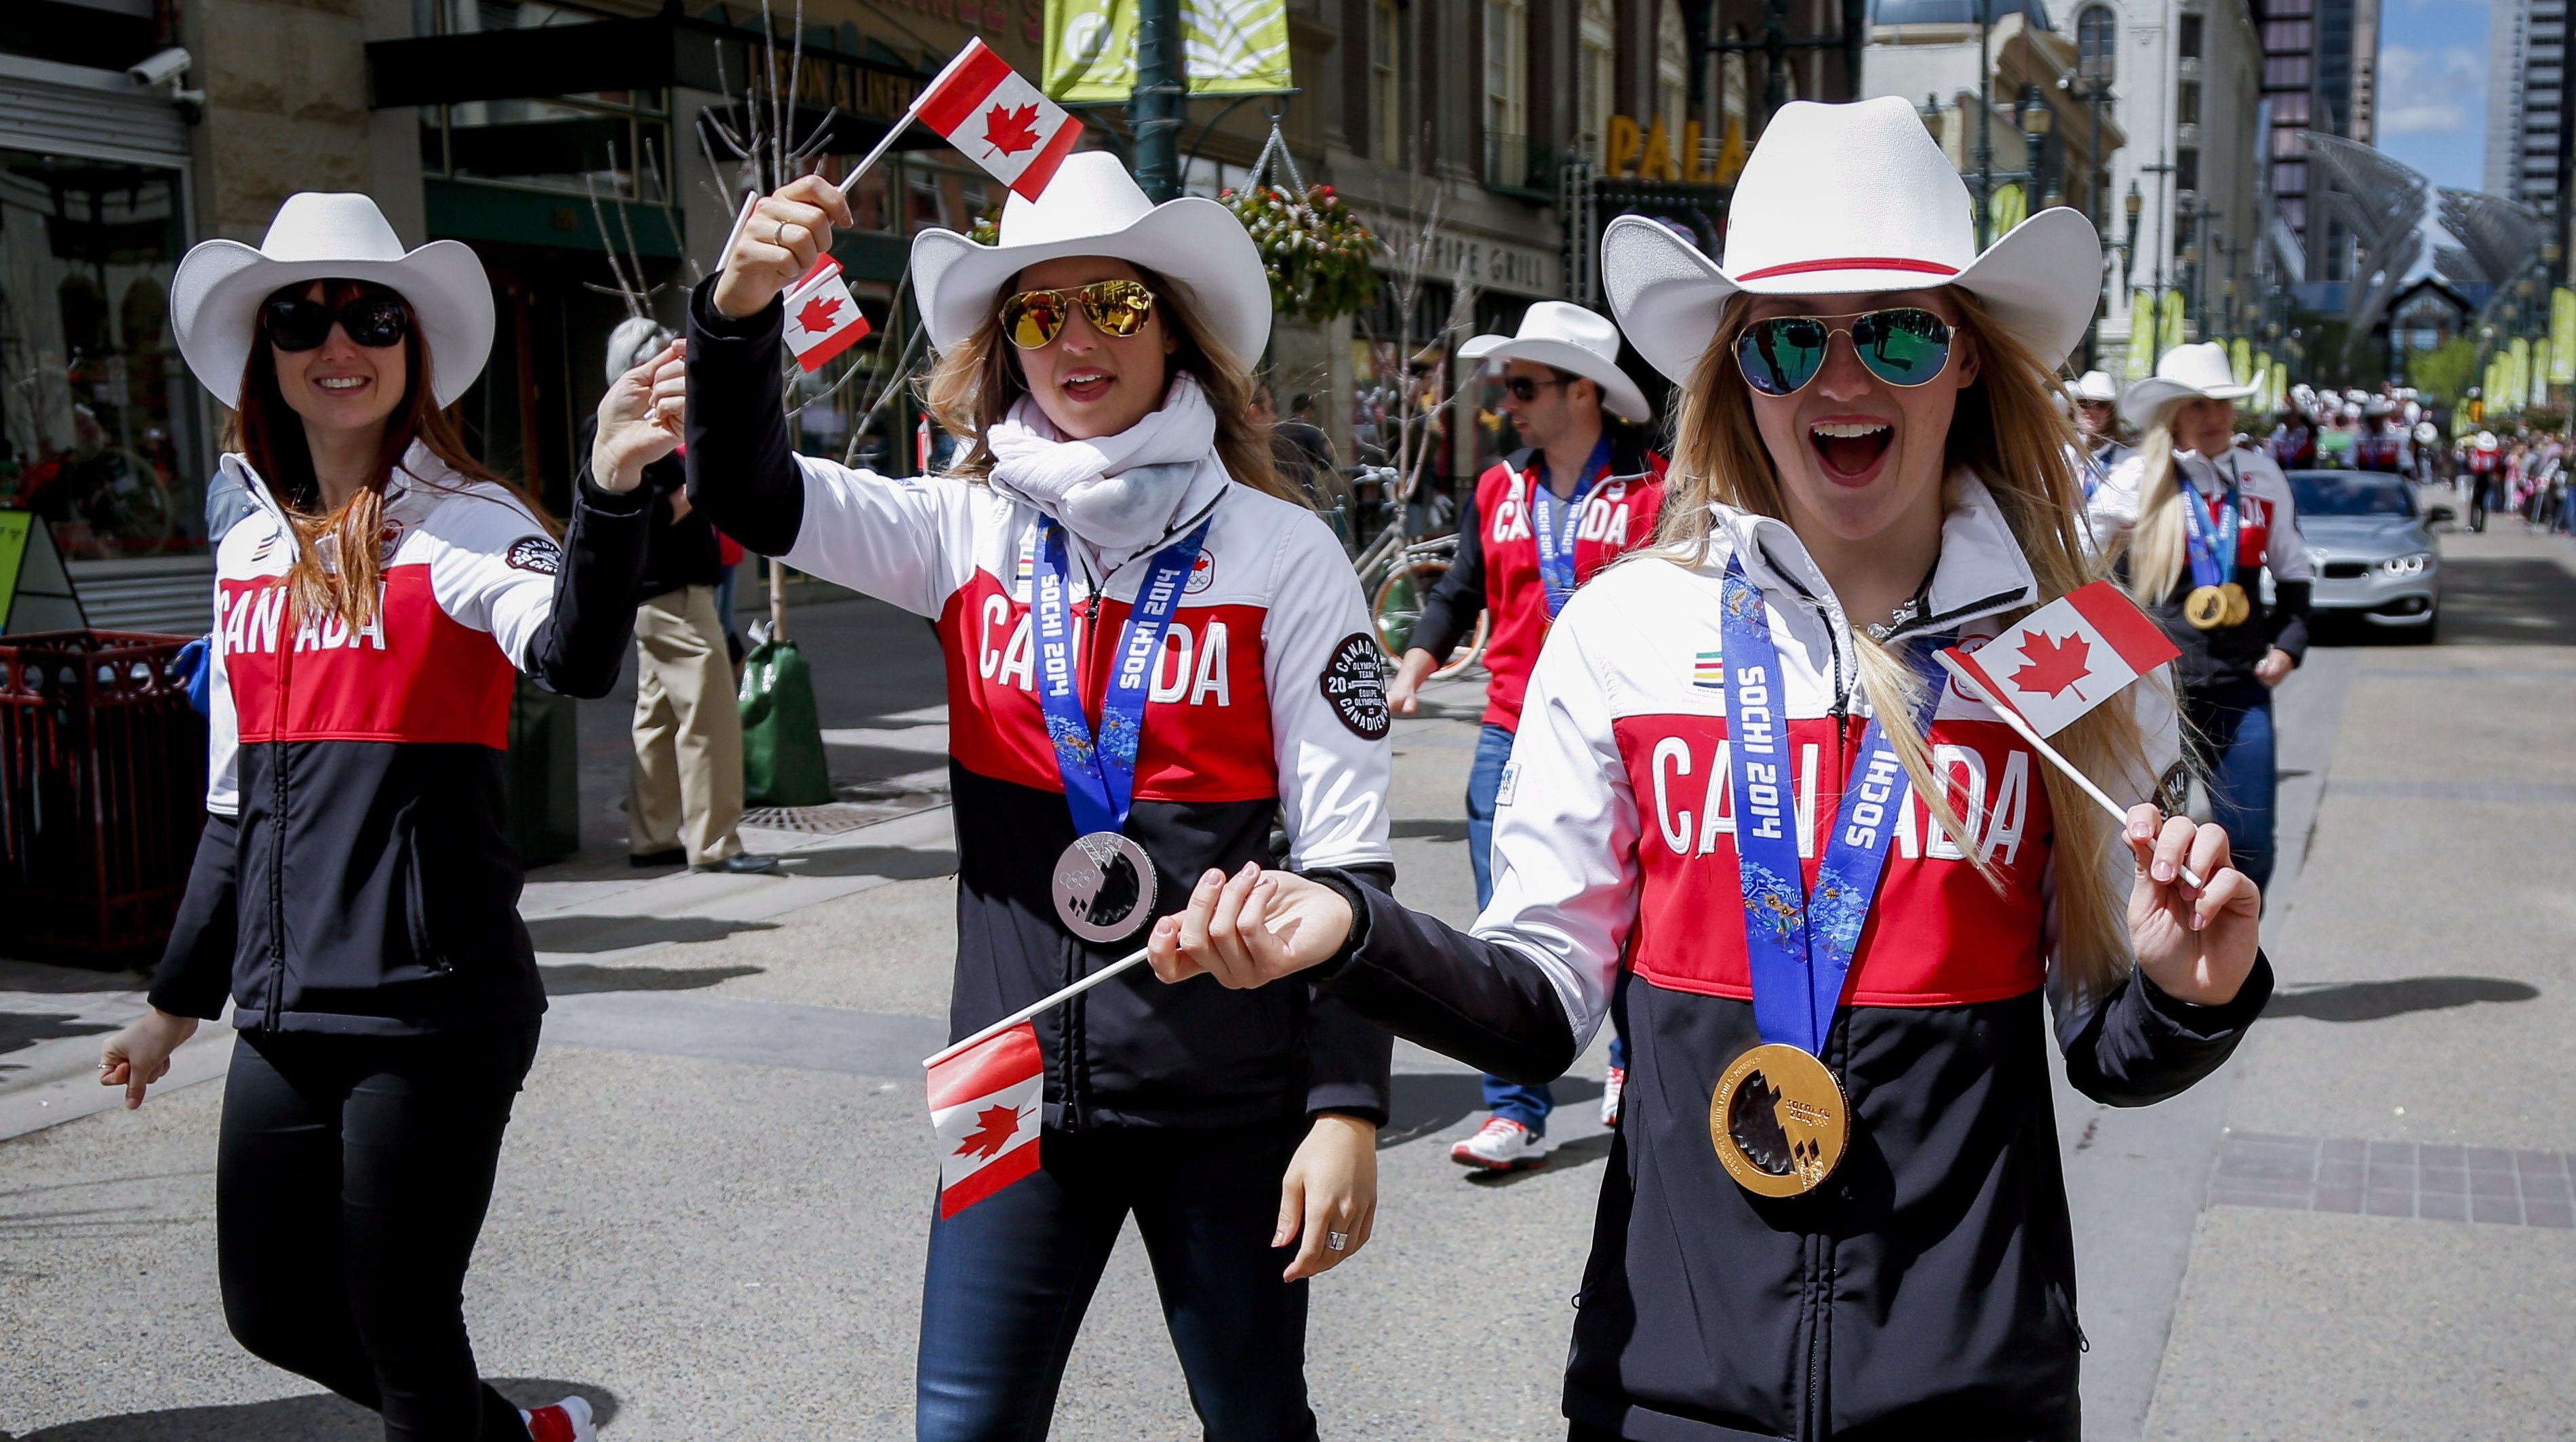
x=1542 y=521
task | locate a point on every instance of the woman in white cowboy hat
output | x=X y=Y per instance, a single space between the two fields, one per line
x=2192 y=522
x=1583 y=491
x=2096 y=400
x=1115 y=500
x=354 y=895
x=1834 y=1207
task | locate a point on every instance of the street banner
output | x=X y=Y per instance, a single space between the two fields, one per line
x=2562 y=336
x=2169 y=335
x=2517 y=372
x=985 y=1105
x=823 y=318
x=2009 y=207
x=2543 y=356
x=2067 y=657
x=2240 y=358
x=1228 y=47
x=2268 y=397
x=998 y=119
x=2142 y=337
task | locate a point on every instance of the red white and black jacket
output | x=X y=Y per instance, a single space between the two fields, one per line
x=354 y=875
x=1267 y=704
x=2267 y=539
x=1496 y=568
x=1928 y=1288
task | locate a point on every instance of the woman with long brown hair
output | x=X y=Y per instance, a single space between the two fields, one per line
x=1839 y=890
x=1154 y=650
x=354 y=896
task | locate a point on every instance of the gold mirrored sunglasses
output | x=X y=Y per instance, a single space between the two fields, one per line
x=1114 y=307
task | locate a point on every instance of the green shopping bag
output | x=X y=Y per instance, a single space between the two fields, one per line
x=782 y=735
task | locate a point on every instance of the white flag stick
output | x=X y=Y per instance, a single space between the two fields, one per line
x=884 y=144
x=1032 y=1009
x=2013 y=718
x=750 y=200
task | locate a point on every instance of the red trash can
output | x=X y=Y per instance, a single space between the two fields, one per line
x=102 y=795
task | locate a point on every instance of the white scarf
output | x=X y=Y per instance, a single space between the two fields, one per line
x=1116 y=494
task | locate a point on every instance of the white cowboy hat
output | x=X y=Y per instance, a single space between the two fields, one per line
x=317 y=235
x=1092 y=207
x=2185 y=372
x=2095 y=386
x=1845 y=199
x=1564 y=335
x=2487 y=441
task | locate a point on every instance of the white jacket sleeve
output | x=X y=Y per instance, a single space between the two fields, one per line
x=1328 y=719
x=907 y=541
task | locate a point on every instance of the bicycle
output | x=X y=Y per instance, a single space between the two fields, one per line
x=1397 y=572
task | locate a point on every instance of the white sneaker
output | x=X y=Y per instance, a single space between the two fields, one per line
x=565 y=1421
x=1613 y=1087
x=1501 y=1145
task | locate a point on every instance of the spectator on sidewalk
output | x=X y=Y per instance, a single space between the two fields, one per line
x=684 y=789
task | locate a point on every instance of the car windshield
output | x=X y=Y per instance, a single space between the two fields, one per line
x=2350 y=493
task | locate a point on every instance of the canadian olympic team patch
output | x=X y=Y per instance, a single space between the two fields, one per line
x=1354 y=681
x=536 y=553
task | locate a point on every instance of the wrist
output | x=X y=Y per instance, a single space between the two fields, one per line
x=738 y=299
x=1355 y=1125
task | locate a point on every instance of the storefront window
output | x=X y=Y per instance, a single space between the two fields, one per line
x=615 y=144
x=100 y=431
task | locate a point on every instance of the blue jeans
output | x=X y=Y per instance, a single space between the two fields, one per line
x=1528 y=1105
x=1010 y=1277
x=2229 y=729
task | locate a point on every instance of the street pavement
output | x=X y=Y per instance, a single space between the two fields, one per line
x=712 y=1206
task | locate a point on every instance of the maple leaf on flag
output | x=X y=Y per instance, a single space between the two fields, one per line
x=818 y=314
x=2050 y=665
x=994 y=1128
x=1011 y=131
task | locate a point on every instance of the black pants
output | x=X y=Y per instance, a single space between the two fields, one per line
x=349 y=1188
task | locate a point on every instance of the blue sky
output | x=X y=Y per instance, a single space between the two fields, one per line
x=2432 y=87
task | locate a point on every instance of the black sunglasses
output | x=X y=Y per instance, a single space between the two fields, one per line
x=1525 y=388
x=296 y=324
x=1903 y=346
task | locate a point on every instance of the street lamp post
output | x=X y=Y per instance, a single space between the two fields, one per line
x=2164 y=244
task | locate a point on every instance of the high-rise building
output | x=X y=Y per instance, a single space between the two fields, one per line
x=2526 y=98
x=2320 y=62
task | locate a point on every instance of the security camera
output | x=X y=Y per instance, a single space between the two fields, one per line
x=164 y=68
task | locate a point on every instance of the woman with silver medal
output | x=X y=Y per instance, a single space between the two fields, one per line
x=1845 y=897
x=1154 y=650
x=2191 y=522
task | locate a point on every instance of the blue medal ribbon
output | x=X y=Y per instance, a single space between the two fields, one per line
x=1556 y=567
x=2212 y=544
x=1100 y=771
x=1798 y=946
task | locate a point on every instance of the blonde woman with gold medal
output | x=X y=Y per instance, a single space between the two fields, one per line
x=2190 y=523
x=1846 y=897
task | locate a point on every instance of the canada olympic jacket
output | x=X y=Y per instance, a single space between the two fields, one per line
x=1927 y=1290
x=353 y=875
x=1496 y=567
x=1267 y=701
x=2267 y=538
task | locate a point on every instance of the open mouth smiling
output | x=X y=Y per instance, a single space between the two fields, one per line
x=1849 y=450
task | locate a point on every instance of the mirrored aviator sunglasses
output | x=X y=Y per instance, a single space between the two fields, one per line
x=298 y=324
x=1114 y=307
x=1903 y=346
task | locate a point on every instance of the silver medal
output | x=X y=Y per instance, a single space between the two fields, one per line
x=1104 y=887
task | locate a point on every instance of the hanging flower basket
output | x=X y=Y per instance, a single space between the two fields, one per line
x=1316 y=250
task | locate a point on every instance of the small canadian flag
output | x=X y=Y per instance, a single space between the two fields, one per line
x=1001 y=121
x=823 y=318
x=985 y=1104
x=2067 y=657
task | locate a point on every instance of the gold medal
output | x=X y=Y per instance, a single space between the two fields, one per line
x=2205 y=608
x=2240 y=607
x=1778 y=1121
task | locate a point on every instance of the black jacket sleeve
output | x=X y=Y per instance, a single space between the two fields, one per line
x=1450 y=611
x=2143 y=1045
x=1350 y=1060
x=196 y=970
x=2286 y=622
x=742 y=469
x=592 y=622
x=1486 y=1005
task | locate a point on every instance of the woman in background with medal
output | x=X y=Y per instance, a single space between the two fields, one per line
x=1154 y=652
x=1834 y=1208
x=2192 y=521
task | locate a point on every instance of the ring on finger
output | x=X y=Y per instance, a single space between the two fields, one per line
x=1337 y=1241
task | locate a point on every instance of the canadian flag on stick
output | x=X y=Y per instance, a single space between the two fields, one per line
x=986 y=1104
x=2067 y=657
x=1001 y=121
x=823 y=318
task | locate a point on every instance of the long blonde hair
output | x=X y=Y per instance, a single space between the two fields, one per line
x=2008 y=432
x=2156 y=544
x=976 y=382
